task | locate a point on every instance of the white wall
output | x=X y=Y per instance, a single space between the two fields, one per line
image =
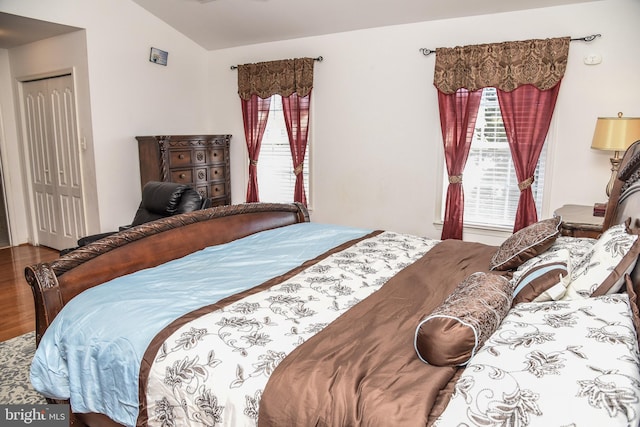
x=10 y=155
x=376 y=134
x=54 y=56
x=129 y=95
x=377 y=145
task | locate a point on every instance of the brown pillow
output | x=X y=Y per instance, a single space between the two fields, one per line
x=633 y=290
x=525 y=244
x=455 y=330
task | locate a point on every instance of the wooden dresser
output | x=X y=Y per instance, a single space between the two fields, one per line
x=578 y=221
x=201 y=161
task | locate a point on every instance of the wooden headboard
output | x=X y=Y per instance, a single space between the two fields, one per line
x=623 y=205
x=624 y=202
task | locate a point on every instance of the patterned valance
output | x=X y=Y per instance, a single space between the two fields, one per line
x=276 y=77
x=505 y=66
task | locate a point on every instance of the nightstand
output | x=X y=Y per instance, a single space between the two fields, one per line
x=578 y=221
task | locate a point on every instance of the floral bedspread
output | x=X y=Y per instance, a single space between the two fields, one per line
x=212 y=371
x=572 y=363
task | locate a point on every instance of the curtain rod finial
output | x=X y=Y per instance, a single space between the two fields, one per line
x=590 y=38
x=426 y=52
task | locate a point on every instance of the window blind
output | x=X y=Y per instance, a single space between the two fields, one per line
x=490 y=184
x=276 y=180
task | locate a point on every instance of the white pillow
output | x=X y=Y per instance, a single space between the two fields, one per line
x=601 y=270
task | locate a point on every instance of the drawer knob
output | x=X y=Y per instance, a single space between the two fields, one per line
x=182 y=175
x=181 y=156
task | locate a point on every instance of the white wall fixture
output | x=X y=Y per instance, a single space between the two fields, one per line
x=593 y=59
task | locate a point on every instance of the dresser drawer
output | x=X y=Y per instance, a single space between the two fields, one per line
x=218 y=202
x=577 y=232
x=182 y=176
x=217 y=172
x=217 y=189
x=179 y=158
x=216 y=155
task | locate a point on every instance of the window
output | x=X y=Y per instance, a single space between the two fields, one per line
x=490 y=184
x=276 y=180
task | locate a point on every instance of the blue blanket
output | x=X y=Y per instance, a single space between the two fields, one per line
x=91 y=352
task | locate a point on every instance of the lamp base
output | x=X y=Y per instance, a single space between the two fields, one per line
x=615 y=165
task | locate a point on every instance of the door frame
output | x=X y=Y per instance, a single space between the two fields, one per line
x=3 y=188
x=26 y=165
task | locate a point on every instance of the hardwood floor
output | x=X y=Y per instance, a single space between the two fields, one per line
x=17 y=313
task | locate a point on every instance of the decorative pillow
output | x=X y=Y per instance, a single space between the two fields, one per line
x=544 y=280
x=632 y=291
x=601 y=271
x=576 y=246
x=457 y=329
x=525 y=244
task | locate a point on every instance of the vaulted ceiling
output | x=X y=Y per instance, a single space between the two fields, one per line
x=219 y=24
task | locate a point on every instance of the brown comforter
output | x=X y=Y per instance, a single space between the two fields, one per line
x=362 y=369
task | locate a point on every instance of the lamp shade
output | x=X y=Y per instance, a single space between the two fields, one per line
x=616 y=133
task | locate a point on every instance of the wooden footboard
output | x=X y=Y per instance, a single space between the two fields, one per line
x=148 y=245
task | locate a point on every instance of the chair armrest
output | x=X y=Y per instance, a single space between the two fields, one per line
x=90 y=239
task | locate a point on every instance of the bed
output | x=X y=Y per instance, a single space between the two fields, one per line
x=253 y=315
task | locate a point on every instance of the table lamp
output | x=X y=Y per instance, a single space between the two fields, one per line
x=615 y=134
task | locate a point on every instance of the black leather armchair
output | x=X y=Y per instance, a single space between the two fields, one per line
x=162 y=199
x=159 y=200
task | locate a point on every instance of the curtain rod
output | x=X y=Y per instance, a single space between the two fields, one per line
x=426 y=51
x=319 y=59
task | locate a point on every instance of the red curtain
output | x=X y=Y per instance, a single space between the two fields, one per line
x=458 y=113
x=526 y=112
x=255 y=112
x=296 y=118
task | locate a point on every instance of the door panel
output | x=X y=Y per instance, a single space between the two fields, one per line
x=36 y=125
x=67 y=156
x=54 y=157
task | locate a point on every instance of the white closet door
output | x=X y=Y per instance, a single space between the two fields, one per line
x=54 y=157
